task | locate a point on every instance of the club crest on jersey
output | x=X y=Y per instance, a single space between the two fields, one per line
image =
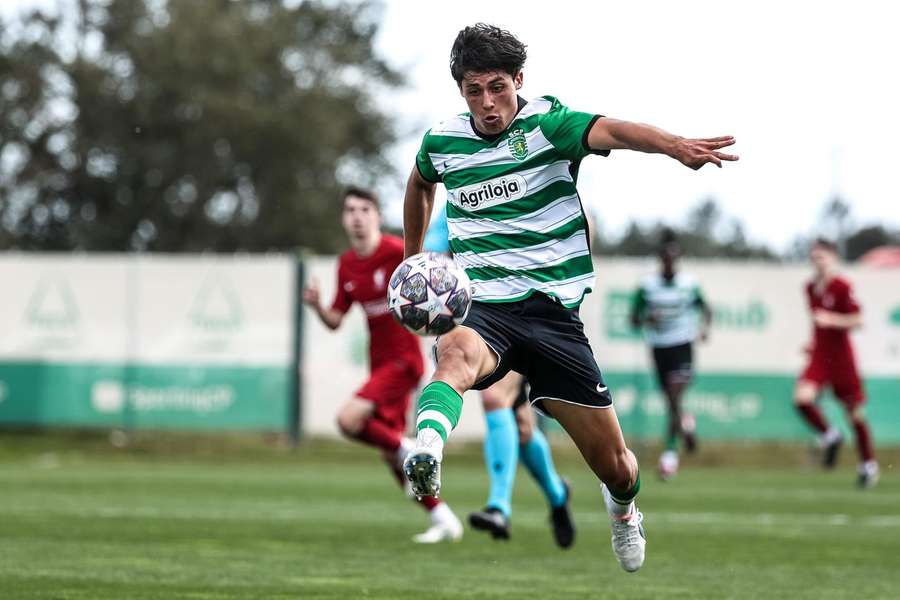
x=518 y=145
x=378 y=279
x=489 y=193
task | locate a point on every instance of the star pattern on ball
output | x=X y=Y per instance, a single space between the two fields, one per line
x=436 y=304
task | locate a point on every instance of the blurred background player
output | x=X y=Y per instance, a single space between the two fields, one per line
x=665 y=306
x=376 y=415
x=832 y=362
x=511 y=435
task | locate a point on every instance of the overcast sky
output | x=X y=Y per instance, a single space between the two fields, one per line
x=809 y=89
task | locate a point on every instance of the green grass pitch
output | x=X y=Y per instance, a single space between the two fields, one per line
x=85 y=521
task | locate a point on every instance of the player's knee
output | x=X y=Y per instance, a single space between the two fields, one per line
x=526 y=430
x=349 y=424
x=858 y=414
x=492 y=400
x=803 y=397
x=805 y=393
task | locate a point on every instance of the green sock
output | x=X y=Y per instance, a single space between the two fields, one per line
x=439 y=409
x=625 y=498
x=672 y=443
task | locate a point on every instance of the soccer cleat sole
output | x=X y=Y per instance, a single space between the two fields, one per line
x=423 y=473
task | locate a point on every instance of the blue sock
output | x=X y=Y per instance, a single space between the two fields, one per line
x=501 y=455
x=537 y=459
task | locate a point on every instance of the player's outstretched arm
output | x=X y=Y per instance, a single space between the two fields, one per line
x=836 y=320
x=417 y=204
x=330 y=317
x=612 y=134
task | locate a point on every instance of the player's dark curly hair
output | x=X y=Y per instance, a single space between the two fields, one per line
x=823 y=242
x=481 y=48
x=668 y=242
x=360 y=192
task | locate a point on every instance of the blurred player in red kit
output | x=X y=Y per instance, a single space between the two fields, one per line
x=835 y=312
x=376 y=414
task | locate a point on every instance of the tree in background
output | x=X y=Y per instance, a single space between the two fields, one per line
x=188 y=126
x=836 y=222
x=707 y=233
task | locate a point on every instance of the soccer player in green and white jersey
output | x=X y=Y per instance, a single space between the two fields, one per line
x=518 y=228
x=667 y=305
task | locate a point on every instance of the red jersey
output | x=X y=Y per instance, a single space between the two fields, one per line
x=364 y=279
x=830 y=345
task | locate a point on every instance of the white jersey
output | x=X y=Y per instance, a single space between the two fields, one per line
x=669 y=309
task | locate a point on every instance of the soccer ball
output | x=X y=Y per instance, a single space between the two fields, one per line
x=429 y=294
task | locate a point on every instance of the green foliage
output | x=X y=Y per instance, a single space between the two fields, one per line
x=188 y=126
x=706 y=234
x=866 y=238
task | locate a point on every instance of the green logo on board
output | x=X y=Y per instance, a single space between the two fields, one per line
x=617 y=316
x=518 y=145
x=895 y=316
x=217 y=307
x=52 y=305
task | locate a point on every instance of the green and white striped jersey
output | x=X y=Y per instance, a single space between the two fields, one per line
x=672 y=306
x=516 y=224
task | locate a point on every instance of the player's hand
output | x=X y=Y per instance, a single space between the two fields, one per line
x=825 y=318
x=311 y=294
x=695 y=153
x=704 y=336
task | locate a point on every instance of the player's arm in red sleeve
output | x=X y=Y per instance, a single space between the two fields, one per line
x=612 y=134
x=334 y=316
x=848 y=314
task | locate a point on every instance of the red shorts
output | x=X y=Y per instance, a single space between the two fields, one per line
x=389 y=388
x=844 y=381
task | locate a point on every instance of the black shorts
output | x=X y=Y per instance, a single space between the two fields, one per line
x=544 y=341
x=674 y=363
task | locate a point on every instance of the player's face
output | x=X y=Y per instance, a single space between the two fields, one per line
x=668 y=259
x=822 y=259
x=361 y=218
x=492 y=98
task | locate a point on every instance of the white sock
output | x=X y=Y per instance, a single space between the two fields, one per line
x=870 y=467
x=441 y=514
x=833 y=434
x=431 y=439
x=616 y=510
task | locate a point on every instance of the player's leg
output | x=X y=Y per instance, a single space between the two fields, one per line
x=567 y=384
x=667 y=466
x=806 y=392
x=361 y=420
x=355 y=419
x=501 y=455
x=668 y=460
x=850 y=392
x=463 y=358
x=386 y=395
x=534 y=453
x=597 y=435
